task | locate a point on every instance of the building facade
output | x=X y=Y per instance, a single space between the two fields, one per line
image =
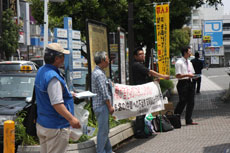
x=226 y=38
x=214 y=54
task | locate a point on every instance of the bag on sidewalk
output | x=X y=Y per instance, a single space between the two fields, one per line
x=174 y=119
x=149 y=129
x=139 y=127
x=156 y=127
x=162 y=121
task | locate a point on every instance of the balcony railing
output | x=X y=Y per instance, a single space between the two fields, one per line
x=226 y=28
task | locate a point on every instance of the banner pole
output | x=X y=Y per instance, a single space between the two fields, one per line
x=154 y=20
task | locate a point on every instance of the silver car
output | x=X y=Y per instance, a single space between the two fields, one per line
x=16 y=65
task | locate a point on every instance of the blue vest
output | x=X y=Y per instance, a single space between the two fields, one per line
x=48 y=117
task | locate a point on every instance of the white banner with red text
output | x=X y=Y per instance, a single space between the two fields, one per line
x=130 y=101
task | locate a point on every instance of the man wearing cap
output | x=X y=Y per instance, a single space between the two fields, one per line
x=55 y=107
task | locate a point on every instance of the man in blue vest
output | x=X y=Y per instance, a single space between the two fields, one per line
x=55 y=107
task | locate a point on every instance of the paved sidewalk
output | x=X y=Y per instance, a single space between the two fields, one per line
x=212 y=135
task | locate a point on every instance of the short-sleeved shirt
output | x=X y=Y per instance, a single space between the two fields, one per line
x=183 y=68
x=100 y=85
x=140 y=73
x=55 y=91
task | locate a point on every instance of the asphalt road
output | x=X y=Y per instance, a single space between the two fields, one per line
x=219 y=76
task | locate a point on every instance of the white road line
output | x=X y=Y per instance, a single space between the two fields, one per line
x=216 y=76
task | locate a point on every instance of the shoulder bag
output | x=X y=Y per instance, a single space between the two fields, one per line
x=31 y=115
x=174 y=119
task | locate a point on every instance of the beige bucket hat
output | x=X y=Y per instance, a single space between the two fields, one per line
x=58 y=48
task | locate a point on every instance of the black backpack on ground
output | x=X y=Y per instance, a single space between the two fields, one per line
x=139 y=127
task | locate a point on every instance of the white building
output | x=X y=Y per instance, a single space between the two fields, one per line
x=226 y=38
x=221 y=55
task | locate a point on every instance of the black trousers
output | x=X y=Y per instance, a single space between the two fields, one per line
x=186 y=94
x=197 y=81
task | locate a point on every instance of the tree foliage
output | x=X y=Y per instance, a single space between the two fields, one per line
x=111 y=12
x=114 y=13
x=10 y=34
x=179 y=39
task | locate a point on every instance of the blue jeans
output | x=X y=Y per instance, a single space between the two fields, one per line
x=103 y=143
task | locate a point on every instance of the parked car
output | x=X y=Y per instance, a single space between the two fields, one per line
x=38 y=60
x=16 y=91
x=16 y=65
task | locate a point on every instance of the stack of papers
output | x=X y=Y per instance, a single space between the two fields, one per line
x=84 y=94
x=196 y=76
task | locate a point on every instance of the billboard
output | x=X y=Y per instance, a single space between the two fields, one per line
x=197 y=34
x=97 y=40
x=207 y=39
x=214 y=29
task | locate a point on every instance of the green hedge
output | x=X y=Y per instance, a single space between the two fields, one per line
x=166 y=85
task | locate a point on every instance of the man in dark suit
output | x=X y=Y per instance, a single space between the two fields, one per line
x=198 y=66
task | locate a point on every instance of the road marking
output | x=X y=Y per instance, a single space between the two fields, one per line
x=216 y=76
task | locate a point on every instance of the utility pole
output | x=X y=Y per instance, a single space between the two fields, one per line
x=130 y=40
x=46 y=29
x=1 y=10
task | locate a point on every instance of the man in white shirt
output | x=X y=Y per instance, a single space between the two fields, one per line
x=185 y=87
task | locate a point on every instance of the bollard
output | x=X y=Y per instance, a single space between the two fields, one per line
x=9 y=136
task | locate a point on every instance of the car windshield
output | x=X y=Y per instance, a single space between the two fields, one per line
x=9 y=67
x=16 y=86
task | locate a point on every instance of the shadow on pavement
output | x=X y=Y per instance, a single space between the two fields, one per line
x=222 y=148
x=131 y=143
x=207 y=104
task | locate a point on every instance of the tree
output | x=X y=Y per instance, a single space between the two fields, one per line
x=10 y=34
x=114 y=13
x=106 y=11
x=179 y=39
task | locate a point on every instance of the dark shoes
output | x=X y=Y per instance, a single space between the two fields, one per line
x=192 y=123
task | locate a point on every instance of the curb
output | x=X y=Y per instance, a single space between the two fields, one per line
x=116 y=135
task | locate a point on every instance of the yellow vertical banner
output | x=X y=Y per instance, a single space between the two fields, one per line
x=162 y=32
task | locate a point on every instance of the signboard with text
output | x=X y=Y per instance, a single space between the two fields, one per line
x=97 y=40
x=214 y=51
x=130 y=101
x=162 y=34
x=214 y=29
x=122 y=58
x=206 y=39
x=197 y=33
x=70 y=40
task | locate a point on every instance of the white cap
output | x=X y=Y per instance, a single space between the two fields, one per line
x=58 y=48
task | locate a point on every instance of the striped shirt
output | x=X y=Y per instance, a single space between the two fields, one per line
x=100 y=86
